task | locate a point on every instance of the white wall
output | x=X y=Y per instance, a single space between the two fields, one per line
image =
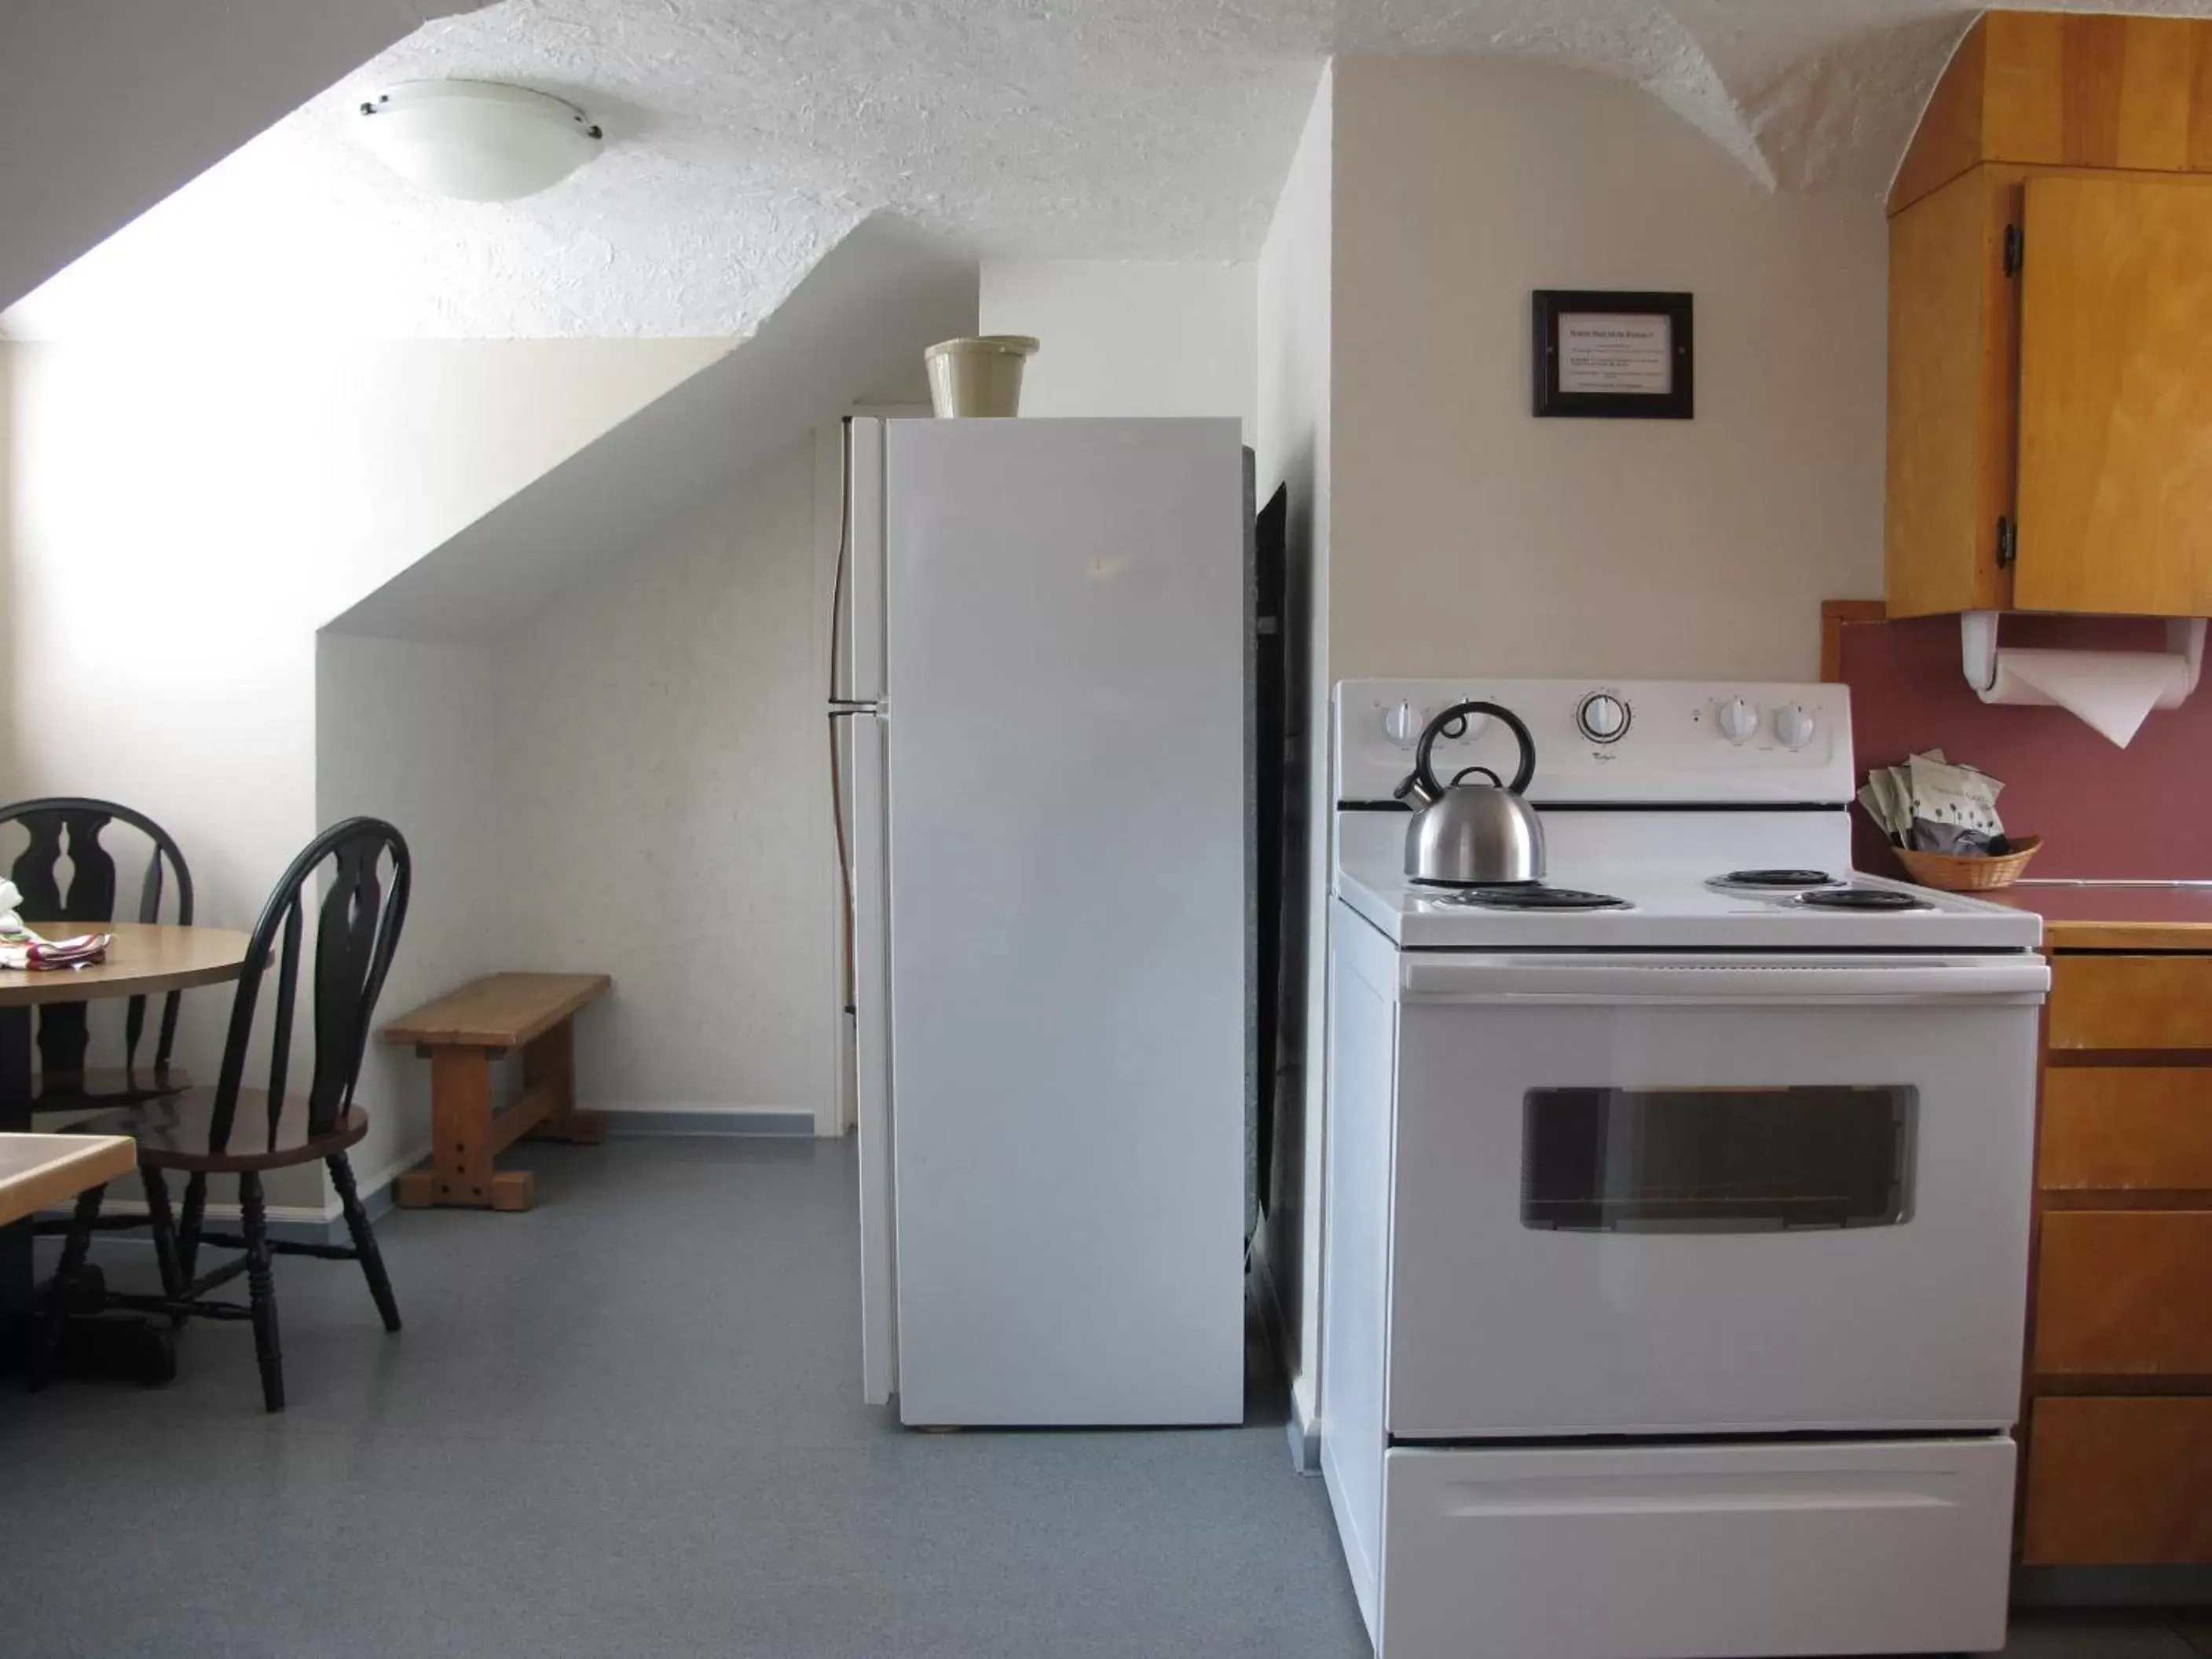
x=1293 y=429
x=184 y=519
x=1128 y=337
x=1469 y=537
x=663 y=808
x=404 y=732
x=1457 y=534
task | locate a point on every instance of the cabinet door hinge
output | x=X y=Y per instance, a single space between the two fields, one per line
x=2008 y=544
x=2014 y=248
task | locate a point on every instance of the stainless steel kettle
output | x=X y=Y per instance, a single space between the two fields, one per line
x=1470 y=835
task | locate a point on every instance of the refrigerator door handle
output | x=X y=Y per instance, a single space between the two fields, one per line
x=872 y=1062
x=860 y=565
x=841 y=579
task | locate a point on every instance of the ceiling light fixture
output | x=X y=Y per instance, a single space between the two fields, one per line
x=481 y=141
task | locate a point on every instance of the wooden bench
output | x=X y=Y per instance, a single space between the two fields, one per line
x=460 y=1035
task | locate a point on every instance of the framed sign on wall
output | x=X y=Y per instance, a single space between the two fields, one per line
x=1613 y=356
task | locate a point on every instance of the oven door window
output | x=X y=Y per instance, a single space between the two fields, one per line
x=1716 y=1160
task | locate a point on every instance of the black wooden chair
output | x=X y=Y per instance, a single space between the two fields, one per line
x=71 y=826
x=230 y=1130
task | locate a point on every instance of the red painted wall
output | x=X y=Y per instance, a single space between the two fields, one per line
x=2141 y=812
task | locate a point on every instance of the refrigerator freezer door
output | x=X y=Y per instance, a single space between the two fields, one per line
x=871 y=1065
x=1066 y=624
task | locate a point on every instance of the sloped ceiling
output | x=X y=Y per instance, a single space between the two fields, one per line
x=746 y=136
x=860 y=318
x=107 y=105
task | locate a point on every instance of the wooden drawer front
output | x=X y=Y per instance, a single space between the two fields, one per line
x=2119 y=1482
x=2132 y=1002
x=2126 y=1128
x=2124 y=1293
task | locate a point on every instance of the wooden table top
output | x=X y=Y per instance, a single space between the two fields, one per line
x=37 y=1171
x=2116 y=918
x=144 y=957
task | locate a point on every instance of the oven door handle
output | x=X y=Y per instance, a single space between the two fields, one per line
x=1525 y=980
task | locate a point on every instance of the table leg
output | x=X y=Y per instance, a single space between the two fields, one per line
x=461 y=1152
x=129 y=1349
x=62 y=1038
x=550 y=1059
x=15 y=1299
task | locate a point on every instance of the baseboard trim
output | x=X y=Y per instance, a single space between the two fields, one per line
x=1302 y=1432
x=626 y=1120
x=299 y=1223
x=2111 y=1587
x=1301 y=1429
x=294 y=1223
x=1262 y=1281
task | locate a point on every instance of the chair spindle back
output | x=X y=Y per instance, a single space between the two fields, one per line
x=70 y=826
x=357 y=931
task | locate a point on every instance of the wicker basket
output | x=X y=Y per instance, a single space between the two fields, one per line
x=1953 y=874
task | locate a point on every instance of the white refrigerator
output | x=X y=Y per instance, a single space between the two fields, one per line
x=1041 y=674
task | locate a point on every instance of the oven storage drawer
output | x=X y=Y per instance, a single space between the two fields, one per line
x=1697 y=1551
x=2119 y=1483
x=2132 y=1002
x=2121 y=1293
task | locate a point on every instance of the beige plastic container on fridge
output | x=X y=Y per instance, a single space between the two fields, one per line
x=978 y=376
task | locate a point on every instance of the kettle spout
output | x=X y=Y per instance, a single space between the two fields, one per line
x=1414 y=793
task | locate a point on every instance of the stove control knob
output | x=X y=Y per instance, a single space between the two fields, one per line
x=1401 y=724
x=1602 y=717
x=1738 y=720
x=1794 y=725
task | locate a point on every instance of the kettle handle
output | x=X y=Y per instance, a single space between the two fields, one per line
x=1425 y=776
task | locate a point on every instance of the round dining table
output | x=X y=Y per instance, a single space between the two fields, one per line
x=144 y=959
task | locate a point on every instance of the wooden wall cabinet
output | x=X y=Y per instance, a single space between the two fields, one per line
x=2050 y=367
x=2117 y=1428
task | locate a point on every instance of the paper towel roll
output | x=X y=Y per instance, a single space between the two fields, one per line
x=2113 y=690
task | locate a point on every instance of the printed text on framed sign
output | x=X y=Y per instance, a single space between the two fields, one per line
x=1612 y=356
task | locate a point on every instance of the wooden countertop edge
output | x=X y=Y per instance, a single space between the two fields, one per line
x=2127 y=935
x=2130 y=919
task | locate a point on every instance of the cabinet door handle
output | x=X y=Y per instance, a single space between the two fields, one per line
x=2008 y=544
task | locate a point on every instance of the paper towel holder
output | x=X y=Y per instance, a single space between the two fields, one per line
x=1977 y=646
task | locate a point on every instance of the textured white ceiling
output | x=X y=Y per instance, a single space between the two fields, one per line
x=747 y=137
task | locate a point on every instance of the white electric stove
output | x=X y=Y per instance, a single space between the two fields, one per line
x=1676 y=1227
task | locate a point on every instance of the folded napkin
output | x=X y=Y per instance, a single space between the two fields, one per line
x=21 y=948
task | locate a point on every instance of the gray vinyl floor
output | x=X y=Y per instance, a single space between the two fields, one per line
x=627 y=1424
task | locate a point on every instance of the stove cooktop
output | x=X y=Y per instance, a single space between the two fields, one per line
x=1531 y=896
x=1861 y=898
x=1607 y=905
x=1771 y=881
